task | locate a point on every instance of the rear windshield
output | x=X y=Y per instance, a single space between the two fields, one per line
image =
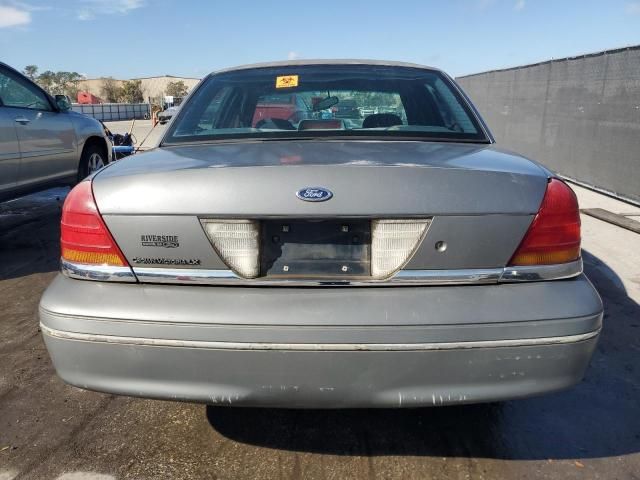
x=326 y=101
x=275 y=98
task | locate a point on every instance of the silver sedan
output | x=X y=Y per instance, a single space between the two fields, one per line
x=405 y=261
x=42 y=142
x=166 y=115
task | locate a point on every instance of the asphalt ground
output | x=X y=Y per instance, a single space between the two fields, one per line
x=49 y=430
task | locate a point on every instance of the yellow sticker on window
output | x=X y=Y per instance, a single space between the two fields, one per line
x=287 y=81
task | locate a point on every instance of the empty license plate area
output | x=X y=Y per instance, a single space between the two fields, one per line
x=316 y=248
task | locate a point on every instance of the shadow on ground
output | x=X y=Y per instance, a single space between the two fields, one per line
x=30 y=232
x=598 y=418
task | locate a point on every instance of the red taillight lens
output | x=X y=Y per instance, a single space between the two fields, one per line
x=554 y=235
x=84 y=237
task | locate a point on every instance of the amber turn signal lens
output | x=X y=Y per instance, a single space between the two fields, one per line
x=554 y=234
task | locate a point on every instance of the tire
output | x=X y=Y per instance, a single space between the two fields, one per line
x=93 y=159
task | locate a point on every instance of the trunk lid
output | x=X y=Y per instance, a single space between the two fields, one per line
x=366 y=178
x=476 y=200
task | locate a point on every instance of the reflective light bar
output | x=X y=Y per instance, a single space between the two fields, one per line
x=393 y=243
x=238 y=244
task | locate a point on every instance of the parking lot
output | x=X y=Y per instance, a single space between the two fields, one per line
x=145 y=135
x=49 y=430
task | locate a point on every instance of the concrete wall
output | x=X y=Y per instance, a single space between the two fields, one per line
x=579 y=116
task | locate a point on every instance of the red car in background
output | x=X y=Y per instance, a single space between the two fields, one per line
x=289 y=107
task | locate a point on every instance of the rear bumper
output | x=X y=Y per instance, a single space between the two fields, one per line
x=322 y=348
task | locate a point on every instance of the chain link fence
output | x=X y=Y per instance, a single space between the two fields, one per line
x=114 y=111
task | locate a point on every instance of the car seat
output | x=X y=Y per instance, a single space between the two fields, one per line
x=378 y=120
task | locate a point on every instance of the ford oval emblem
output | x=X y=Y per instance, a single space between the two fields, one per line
x=314 y=194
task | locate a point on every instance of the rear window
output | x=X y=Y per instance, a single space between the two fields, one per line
x=326 y=101
x=277 y=99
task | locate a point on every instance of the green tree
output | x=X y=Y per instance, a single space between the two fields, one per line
x=65 y=83
x=132 y=91
x=111 y=91
x=31 y=71
x=47 y=80
x=177 y=89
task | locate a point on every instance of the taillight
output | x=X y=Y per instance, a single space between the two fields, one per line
x=84 y=238
x=554 y=235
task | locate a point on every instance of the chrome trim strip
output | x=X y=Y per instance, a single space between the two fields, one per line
x=403 y=277
x=102 y=273
x=542 y=272
x=474 y=276
x=194 y=276
x=402 y=347
x=448 y=277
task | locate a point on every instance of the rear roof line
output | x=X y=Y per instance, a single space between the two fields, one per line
x=342 y=61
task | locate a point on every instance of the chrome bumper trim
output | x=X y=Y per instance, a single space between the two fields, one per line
x=475 y=276
x=404 y=277
x=100 y=273
x=328 y=347
x=542 y=272
x=194 y=276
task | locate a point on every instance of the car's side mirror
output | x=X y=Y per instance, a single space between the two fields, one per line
x=63 y=103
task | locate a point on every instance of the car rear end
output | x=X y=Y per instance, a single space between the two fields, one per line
x=166 y=115
x=322 y=274
x=346 y=109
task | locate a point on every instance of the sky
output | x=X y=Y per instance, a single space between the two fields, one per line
x=137 y=38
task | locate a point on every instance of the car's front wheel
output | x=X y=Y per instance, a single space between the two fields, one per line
x=93 y=159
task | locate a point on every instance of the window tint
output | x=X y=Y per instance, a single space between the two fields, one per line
x=208 y=115
x=16 y=92
x=277 y=99
x=326 y=100
x=450 y=110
